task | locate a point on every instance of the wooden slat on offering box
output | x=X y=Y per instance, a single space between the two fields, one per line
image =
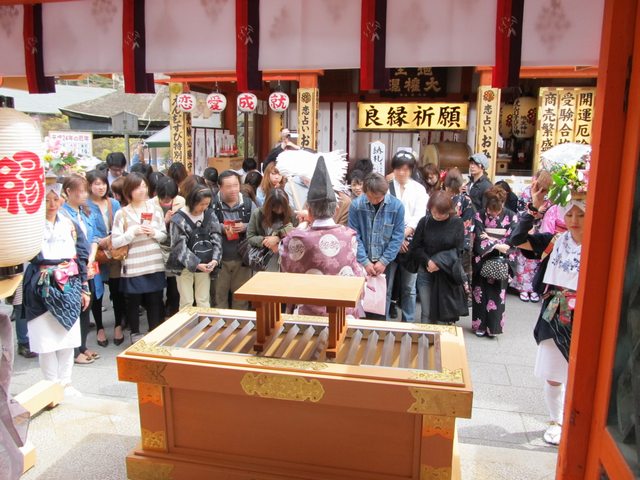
x=386 y=359
x=282 y=348
x=370 y=351
x=405 y=351
x=224 y=335
x=213 y=329
x=303 y=343
x=193 y=333
x=356 y=338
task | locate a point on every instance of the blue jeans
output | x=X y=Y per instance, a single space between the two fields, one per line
x=22 y=333
x=424 y=291
x=407 y=290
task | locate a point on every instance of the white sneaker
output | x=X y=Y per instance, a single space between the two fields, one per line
x=553 y=434
x=71 y=392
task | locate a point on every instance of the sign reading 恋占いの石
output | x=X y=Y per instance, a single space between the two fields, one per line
x=412 y=116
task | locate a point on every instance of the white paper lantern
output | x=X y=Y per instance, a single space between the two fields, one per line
x=506 y=120
x=525 y=111
x=186 y=102
x=247 y=102
x=22 y=191
x=278 y=101
x=216 y=102
x=166 y=105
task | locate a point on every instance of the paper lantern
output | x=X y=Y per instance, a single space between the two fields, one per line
x=22 y=192
x=506 y=120
x=524 y=117
x=278 y=101
x=166 y=105
x=186 y=102
x=247 y=102
x=216 y=102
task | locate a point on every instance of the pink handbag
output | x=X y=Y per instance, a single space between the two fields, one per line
x=375 y=295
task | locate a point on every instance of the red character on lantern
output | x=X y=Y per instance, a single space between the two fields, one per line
x=247 y=102
x=185 y=102
x=21 y=183
x=278 y=101
x=216 y=102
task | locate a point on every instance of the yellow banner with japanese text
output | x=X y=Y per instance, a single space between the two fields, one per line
x=412 y=116
x=564 y=115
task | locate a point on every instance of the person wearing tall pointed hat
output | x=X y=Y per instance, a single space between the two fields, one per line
x=323 y=247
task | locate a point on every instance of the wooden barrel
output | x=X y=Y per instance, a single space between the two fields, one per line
x=447 y=155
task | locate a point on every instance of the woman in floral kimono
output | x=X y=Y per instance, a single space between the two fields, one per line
x=492 y=228
x=526 y=268
x=557 y=281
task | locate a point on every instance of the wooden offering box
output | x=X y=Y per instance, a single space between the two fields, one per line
x=211 y=408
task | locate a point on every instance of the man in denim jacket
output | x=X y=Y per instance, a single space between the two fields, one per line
x=378 y=219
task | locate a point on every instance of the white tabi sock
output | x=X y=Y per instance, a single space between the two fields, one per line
x=554 y=398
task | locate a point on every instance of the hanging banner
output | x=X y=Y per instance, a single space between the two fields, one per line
x=412 y=116
x=564 y=115
x=584 y=117
x=378 y=157
x=308 y=117
x=487 y=125
x=416 y=82
x=179 y=130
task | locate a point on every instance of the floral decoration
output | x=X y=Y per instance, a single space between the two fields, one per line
x=569 y=181
x=58 y=160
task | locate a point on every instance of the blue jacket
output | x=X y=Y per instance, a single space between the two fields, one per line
x=101 y=230
x=380 y=234
x=89 y=220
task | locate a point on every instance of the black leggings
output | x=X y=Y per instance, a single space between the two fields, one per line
x=85 y=320
x=172 y=305
x=153 y=304
x=118 y=300
x=96 y=310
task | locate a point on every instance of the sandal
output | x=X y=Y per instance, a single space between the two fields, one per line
x=83 y=359
x=534 y=297
x=552 y=434
x=92 y=355
x=524 y=296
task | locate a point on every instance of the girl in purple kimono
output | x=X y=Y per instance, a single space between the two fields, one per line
x=493 y=226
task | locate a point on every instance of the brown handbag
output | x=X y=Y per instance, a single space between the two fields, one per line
x=110 y=254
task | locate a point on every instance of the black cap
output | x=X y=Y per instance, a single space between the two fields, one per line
x=320 y=187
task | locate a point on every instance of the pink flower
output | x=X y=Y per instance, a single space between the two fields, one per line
x=503 y=295
x=475 y=324
x=491 y=305
x=477 y=294
x=506 y=221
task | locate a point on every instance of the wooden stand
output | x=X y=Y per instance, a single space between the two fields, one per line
x=44 y=394
x=268 y=291
x=384 y=409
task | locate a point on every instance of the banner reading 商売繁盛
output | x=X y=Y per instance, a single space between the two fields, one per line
x=564 y=115
x=412 y=116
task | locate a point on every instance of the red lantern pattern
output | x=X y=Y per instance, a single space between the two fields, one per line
x=278 y=101
x=186 y=102
x=247 y=102
x=216 y=102
x=21 y=183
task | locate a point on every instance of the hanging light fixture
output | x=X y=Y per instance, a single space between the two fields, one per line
x=524 y=117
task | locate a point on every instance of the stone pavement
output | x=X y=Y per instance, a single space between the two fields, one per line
x=89 y=436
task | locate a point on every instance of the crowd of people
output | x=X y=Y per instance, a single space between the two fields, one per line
x=165 y=241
